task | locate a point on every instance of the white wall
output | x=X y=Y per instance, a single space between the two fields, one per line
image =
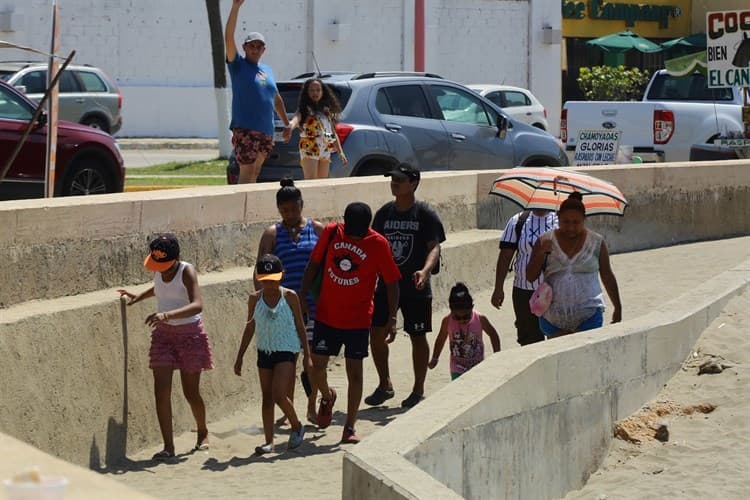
x=159 y=51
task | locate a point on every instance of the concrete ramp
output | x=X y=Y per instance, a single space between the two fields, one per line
x=535 y=422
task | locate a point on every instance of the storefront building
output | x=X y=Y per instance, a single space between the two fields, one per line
x=584 y=20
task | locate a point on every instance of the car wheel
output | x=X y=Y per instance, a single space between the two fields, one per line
x=87 y=176
x=374 y=168
x=95 y=122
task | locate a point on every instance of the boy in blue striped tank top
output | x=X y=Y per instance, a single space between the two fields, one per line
x=274 y=312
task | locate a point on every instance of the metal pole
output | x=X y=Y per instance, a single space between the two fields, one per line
x=52 y=108
x=419 y=35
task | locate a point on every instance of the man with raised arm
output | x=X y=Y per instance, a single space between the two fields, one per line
x=254 y=100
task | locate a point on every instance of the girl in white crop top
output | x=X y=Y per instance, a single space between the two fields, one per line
x=178 y=339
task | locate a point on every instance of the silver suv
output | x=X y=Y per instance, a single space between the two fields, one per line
x=87 y=95
x=422 y=119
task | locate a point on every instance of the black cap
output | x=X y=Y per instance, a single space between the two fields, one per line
x=404 y=171
x=269 y=267
x=164 y=251
x=357 y=218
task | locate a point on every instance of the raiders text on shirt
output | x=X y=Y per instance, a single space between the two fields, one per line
x=405 y=225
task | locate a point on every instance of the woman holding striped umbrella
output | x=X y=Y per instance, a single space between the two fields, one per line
x=573 y=259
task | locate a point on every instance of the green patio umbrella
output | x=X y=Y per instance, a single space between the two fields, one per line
x=686 y=65
x=696 y=40
x=623 y=42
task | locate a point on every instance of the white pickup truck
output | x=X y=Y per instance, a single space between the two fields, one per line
x=675 y=114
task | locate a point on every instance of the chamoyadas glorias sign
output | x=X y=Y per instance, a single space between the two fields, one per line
x=615 y=11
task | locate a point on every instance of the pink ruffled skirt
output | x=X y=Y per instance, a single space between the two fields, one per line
x=180 y=347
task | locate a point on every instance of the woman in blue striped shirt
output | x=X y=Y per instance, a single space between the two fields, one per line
x=292 y=240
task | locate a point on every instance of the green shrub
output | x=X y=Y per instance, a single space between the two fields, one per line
x=608 y=83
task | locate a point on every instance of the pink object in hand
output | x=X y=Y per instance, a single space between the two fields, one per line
x=541 y=299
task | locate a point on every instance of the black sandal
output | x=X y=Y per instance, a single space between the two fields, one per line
x=163 y=455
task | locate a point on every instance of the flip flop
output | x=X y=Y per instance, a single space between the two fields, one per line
x=162 y=455
x=201 y=446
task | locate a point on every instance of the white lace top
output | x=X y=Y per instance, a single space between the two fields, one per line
x=576 y=291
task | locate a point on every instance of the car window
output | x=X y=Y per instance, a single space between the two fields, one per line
x=34 y=81
x=6 y=75
x=402 y=100
x=382 y=104
x=12 y=107
x=495 y=98
x=460 y=106
x=91 y=82
x=289 y=93
x=68 y=82
x=515 y=98
x=694 y=88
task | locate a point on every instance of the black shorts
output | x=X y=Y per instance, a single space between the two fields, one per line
x=269 y=360
x=416 y=311
x=327 y=341
x=527 y=324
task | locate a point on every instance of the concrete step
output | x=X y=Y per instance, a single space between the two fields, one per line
x=467 y=256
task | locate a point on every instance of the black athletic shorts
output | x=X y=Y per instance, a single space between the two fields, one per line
x=269 y=360
x=327 y=341
x=416 y=311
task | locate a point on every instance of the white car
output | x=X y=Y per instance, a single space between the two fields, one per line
x=519 y=103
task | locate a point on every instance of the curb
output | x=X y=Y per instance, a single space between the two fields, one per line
x=135 y=189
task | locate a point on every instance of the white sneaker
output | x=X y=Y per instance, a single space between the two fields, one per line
x=266 y=448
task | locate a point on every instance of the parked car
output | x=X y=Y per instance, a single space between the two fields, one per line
x=87 y=95
x=88 y=160
x=422 y=119
x=517 y=102
x=676 y=113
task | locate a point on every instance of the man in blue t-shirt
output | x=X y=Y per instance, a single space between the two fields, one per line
x=254 y=100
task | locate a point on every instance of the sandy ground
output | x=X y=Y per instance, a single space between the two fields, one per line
x=706 y=455
x=230 y=470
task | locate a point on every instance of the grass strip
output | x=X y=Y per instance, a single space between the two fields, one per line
x=178 y=174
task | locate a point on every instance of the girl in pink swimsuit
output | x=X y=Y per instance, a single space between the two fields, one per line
x=463 y=326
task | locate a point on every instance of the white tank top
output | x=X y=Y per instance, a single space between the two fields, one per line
x=173 y=295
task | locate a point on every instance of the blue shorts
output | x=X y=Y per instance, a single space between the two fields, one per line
x=595 y=321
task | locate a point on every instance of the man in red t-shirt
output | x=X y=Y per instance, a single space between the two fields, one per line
x=352 y=256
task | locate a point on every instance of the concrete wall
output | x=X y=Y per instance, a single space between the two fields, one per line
x=67 y=246
x=83 y=484
x=67 y=257
x=497 y=432
x=161 y=56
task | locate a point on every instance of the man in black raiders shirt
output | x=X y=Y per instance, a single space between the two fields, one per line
x=415 y=232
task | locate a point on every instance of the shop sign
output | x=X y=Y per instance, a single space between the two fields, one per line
x=616 y=11
x=596 y=147
x=728 y=48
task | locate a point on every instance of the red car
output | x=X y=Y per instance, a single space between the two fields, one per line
x=88 y=160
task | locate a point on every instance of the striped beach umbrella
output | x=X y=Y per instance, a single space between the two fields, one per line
x=545 y=188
